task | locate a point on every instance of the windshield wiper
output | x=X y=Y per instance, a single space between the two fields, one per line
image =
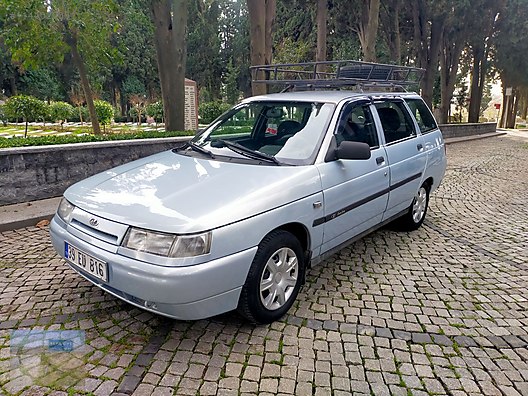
x=238 y=148
x=199 y=149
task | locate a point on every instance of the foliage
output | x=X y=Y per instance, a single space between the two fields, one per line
x=133 y=86
x=61 y=111
x=25 y=107
x=67 y=139
x=116 y=41
x=209 y=111
x=80 y=114
x=289 y=51
x=3 y=118
x=134 y=41
x=42 y=83
x=42 y=33
x=205 y=64
x=230 y=89
x=104 y=111
x=155 y=110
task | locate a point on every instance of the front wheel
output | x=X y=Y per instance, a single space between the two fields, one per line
x=415 y=216
x=274 y=279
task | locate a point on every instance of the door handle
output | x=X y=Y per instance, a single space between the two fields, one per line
x=419 y=146
x=380 y=160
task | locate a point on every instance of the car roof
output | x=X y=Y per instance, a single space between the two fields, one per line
x=324 y=96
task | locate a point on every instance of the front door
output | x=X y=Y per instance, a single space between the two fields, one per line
x=355 y=191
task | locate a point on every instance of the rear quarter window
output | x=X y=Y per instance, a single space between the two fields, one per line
x=422 y=114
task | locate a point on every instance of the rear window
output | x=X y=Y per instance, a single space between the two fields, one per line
x=423 y=115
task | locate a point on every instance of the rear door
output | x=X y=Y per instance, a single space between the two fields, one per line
x=355 y=191
x=433 y=140
x=405 y=153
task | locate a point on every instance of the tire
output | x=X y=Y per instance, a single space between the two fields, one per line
x=415 y=216
x=274 y=279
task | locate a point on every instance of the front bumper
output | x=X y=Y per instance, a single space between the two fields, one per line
x=186 y=293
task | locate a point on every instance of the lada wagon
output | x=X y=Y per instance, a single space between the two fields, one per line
x=234 y=218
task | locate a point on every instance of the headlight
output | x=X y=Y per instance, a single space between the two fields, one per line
x=65 y=210
x=168 y=245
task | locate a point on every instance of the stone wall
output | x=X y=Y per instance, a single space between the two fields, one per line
x=461 y=130
x=32 y=173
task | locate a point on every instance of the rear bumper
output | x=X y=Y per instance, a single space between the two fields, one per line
x=186 y=293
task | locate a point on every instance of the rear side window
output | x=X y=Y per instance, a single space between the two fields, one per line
x=423 y=116
x=396 y=121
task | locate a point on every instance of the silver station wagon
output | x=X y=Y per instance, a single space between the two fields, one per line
x=235 y=217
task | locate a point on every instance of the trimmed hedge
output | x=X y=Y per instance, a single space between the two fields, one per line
x=49 y=140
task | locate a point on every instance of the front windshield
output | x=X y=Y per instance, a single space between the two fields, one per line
x=287 y=132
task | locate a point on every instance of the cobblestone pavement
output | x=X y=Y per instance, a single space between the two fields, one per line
x=440 y=311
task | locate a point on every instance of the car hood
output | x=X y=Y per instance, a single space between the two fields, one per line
x=175 y=193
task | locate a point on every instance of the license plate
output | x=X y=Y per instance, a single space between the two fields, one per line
x=84 y=261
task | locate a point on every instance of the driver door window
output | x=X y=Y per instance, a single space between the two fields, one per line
x=357 y=125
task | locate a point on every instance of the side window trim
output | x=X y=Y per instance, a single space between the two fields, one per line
x=420 y=100
x=346 y=110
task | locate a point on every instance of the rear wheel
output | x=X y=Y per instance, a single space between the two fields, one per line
x=274 y=279
x=415 y=216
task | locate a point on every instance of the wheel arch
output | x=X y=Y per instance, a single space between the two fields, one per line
x=429 y=182
x=300 y=231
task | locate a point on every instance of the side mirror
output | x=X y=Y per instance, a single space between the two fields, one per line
x=353 y=151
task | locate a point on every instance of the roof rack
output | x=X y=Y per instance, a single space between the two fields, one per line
x=337 y=74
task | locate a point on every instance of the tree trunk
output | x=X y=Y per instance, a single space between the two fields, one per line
x=372 y=31
x=515 y=108
x=477 y=79
x=431 y=66
x=170 y=21
x=368 y=30
x=322 y=16
x=271 y=8
x=524 y=104
x=508 y=112
x=71 y=40
x=420 y=33
x=12 y=84
x=502 y=119
x=449 y=61
x=257 y=38
x=395 y=46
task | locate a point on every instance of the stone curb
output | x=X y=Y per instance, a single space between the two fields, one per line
x=473 y=137
x=27 y=214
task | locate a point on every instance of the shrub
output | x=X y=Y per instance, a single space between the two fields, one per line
x=133 y=114
x=26 y=107
x=155 y=110
x=61 y=111
x=209 y=111
x=3 y=118
x=54 y=139
x=104 y=112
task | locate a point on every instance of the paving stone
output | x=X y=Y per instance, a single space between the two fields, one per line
x=441 y=309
